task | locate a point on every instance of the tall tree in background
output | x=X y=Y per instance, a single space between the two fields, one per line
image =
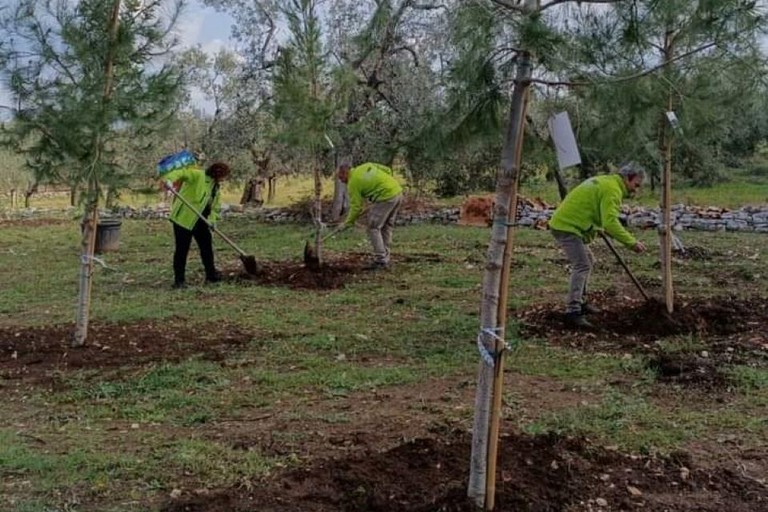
x=388 y=53
x=304 y=103
x=15 y=177
x=83 y=73
x=460 y=144
x=216 y=77
x=383 y=60
x=681 y=57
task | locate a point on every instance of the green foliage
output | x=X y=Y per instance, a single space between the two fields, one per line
x=303 y=100
x=69 y=116
x=712 y=78
x=459 y=146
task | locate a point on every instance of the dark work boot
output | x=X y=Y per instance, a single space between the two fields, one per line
x=578 y=320
x=376 y=265
x=213 y=277
x=179 y=285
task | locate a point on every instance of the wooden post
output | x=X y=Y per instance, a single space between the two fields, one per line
x=318 y=208
x=499 y=348
x=88 y=244
x=665 y=228
x=493 y=309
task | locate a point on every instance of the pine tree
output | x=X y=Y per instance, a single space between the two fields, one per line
x=83 y=74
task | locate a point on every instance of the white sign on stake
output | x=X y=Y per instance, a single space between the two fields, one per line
x=564 y=140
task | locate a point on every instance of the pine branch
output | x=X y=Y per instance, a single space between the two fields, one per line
x=408 y=49
x=507 y=4
x=628 y=77
x=559 y=2
x=429 y=7
x=48 y=50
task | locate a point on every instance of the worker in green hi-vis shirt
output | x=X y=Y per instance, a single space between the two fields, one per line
x=374 y=183
x=591 y=207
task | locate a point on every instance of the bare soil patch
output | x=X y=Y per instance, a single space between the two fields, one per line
x=38 y=355
x=697 y=253
x=537 y=473
x=727 y=331
x=688 y=369
x=626 y=323
x=338 y=270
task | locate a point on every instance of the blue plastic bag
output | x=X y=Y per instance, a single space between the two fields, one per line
x=183 y=158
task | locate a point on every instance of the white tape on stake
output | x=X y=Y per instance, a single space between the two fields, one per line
x=486 y=354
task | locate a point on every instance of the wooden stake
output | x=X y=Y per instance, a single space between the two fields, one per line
x=481 y=486
x=665 y=235
x=90 y=227
x=499 y=349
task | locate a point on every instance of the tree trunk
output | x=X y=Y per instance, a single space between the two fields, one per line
x=28 y=194
x=562 y=188
x=317 y=210
x=92 y=206
x=111 y=199
x=88 y=248
x=340 y=200
x=271 y=188
x=494 y=299
x=252 y=193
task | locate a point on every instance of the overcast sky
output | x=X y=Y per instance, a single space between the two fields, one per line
x=203 y=25
x=199 y=25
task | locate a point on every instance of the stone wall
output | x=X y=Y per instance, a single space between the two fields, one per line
x=748 y=219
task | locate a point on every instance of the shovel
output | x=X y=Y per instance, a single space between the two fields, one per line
x=249 y=262
x=625 y=267
x=310 y=258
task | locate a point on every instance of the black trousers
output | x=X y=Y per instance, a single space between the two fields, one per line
x=202 y=235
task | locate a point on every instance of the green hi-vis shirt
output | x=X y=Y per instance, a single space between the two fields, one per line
x=197 y=189
x=592 y=206
x=371 y=182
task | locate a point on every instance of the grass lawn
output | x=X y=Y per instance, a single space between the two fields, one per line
x=219 y=389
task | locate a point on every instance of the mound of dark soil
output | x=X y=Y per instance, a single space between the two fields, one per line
x=696 y=253
x=689 y=370
x=540 y=473
x=649 y=320
x=36 y=355
x=730 y=330
x=337 y=270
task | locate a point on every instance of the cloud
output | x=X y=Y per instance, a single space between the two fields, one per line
x=215 y=46
x=189 y=28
